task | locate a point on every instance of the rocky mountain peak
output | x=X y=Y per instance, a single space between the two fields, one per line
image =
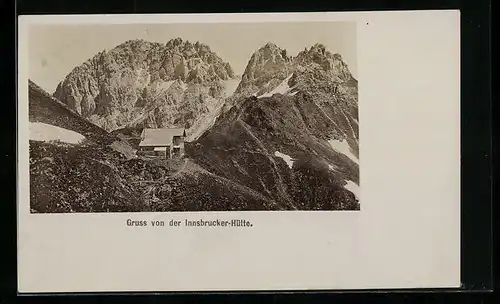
x=318 y=47
x=270 y=48
x=135 y=82
x=313 y=68
x=317 y=57
x=271 y=51
x=315 y=73
x=133 y=42
x=267 y=67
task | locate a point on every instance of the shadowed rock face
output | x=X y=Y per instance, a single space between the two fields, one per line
x=144 y=84
x=279 y=134
x=316 y=71
x=245 y=144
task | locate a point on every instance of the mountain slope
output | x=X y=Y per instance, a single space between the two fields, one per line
x=102 y=174
x=250 y=145
x=43 y=108
x=70 y=176
x=295 y=139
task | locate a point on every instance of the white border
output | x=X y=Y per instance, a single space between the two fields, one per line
x=407 y=234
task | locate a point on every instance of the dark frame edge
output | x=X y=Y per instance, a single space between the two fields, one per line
x=476 y=84
x=476 y=148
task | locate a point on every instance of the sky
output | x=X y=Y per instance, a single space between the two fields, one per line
x=54 y=50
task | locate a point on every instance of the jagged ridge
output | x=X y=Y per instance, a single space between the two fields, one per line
x=306 y=109
x=146 y=84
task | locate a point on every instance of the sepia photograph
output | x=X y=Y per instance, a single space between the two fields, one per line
x=232 y=144
x=193 y=117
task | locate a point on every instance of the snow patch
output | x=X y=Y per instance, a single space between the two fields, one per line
x=230 y=86
x=342 y=146
x=288 y=160
x=45 y=132
x=283 y=88
x=353 y=187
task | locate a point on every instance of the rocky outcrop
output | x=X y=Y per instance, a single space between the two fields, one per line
x=326 y=78
x=316 y=72
x=280 y=147
x=267 y=67
x=145 y=84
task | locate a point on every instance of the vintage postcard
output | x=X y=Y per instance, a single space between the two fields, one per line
x=272 y=151
x=191 y=117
